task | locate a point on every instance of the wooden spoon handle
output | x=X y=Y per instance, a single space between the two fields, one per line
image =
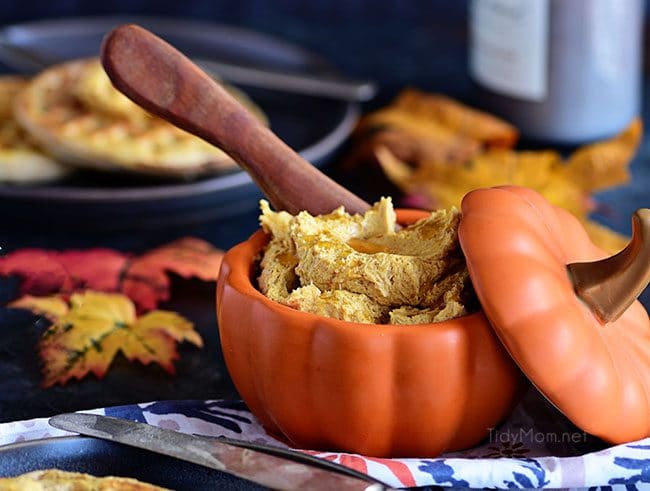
x=166 y=83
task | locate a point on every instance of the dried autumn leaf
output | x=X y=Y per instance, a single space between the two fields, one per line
x=40 y=270
x=94 y=269
x=458 y=117
x=47 y=272
x=605 y=164
x=411 y=137
x=445 y=185
x=146 y=281
x=50 y=307
x=97 y=326
x=156 y=328
x=439 y=185
x=418 y=126
x=565 y=184
x=436 y=149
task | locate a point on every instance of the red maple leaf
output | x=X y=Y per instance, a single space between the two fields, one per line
x=144 y=279
x=146 y=282
x=46 y=272
x=94 y=269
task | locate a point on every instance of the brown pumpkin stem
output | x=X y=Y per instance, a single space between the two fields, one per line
x=610 y=285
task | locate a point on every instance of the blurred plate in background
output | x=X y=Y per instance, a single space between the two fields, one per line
x=314 y=126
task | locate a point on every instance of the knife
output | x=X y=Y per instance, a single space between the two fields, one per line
x=31 y=61
x=314 y=85
x=283 y=470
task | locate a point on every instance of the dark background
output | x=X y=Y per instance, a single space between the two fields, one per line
x=419 y=42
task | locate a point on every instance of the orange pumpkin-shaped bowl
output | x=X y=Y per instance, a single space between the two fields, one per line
x=378 y=390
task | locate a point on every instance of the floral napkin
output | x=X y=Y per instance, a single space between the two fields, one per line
x=535 y=448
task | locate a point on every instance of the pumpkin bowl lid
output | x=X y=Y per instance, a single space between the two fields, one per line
x=525 y=258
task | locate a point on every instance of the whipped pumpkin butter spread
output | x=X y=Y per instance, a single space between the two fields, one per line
x=358 y=268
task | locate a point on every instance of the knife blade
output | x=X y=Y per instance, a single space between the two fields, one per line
x=273 y=471
x=314 y=85
x=31 y=61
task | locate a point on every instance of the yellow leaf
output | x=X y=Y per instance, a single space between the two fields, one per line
x=98 y=326
x=435 y=150
x=106 y=306
x=51 y=307
x=604 y=164
x=443 y=185
x=179 y=328
x=153 y=337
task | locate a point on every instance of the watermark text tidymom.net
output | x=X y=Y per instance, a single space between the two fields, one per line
x=527 y=435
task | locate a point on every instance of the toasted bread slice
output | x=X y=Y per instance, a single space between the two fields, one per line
x=74 y=112
x=21 y=161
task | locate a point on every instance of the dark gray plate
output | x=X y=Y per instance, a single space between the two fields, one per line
x=314 y=126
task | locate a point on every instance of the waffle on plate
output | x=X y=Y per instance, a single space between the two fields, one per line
x=74 y=112
x=21 y=161
x=56 y=480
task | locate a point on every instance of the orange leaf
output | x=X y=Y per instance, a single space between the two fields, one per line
x=99 y=325
x=146 y=281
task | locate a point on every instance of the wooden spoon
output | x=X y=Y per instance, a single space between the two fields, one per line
x=166 y=83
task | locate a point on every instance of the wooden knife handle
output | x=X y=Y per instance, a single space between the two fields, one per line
x=166 y=83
